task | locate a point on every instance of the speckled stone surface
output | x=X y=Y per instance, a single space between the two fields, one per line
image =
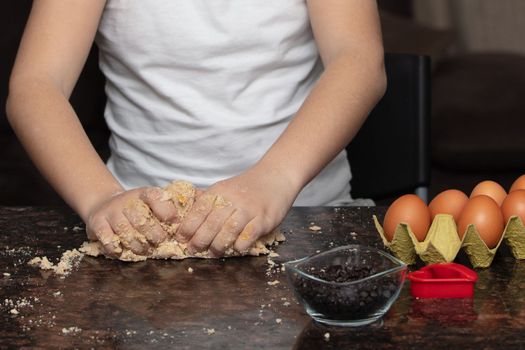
x=160 y=305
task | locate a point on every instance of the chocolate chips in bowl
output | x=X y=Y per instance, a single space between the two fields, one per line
x=351 y=285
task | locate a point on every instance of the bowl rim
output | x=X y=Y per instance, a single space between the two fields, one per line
x=291 y=265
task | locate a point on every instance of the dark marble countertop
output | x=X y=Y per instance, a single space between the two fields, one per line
x=227 y=303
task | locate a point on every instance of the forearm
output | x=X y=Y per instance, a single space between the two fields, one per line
x=329 y=118
x=51 y=133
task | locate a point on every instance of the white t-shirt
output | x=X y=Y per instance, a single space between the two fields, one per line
x=200 y=89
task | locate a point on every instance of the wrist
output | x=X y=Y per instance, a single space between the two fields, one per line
x=290 y=180
x=90 y=203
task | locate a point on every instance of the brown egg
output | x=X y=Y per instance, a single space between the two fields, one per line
x=514 y=204
x=485 y=214
x=411 y=210
x=448 y=202
x=491 y=189
x=519 y=184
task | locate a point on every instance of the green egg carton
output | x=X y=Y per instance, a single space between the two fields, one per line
x=514 y=236
x=442 y=243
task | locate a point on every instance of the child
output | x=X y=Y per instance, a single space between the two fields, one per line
x=227 y=94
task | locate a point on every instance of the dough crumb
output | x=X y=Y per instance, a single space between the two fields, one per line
x=71 y=330
x=273 y=283
x=286 y=303
x=14 y=311
x=315 y=228
x=278 y=321
x=273 y=254
x=210 y=331
x=7 y=274
x=41 y=262
x=271 y=265
x=327 y=336
x=57 y=294
x=190 y=270
x=69 y=260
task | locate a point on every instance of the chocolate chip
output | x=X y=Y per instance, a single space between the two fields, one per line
x=361 y=300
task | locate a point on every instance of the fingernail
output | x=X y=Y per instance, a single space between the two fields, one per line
x=242 y=248
x=106 y=241
x=155 y=237
x=213 y=254
x=136 y=247
x=153 y=193
x=112 y=246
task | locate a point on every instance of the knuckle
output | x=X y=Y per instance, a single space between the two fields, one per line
x=190 y=225
x=97 y=219
x=211 y=223
x=231 y=225
x=164 y=213
x=151 y=194
x=201 y=209
x=101 y=230
x=122 y=227
x=205 y=202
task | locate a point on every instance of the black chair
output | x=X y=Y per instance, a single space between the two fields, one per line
x=390 y=155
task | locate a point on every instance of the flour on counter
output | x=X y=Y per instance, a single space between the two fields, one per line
x=315 y=228
x=70 y=330
x=69 y=260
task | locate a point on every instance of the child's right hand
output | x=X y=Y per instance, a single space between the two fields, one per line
x=124 y=221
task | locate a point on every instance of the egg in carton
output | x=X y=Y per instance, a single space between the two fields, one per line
x=440 y=245
x=442 y=242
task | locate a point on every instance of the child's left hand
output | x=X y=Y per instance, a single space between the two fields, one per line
x=237 y=211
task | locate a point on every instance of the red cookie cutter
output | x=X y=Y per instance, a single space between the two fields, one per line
x=443 y=281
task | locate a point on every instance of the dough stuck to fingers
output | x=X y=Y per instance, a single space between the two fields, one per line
x=182 y=194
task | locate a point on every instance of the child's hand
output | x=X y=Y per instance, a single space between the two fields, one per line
x=236 y=212
x=124 y=220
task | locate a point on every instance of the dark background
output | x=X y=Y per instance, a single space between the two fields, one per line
x=478 y=119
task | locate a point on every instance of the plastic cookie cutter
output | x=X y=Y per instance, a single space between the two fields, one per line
x=443 y=281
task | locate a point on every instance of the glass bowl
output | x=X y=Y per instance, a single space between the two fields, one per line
x=351 y=285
